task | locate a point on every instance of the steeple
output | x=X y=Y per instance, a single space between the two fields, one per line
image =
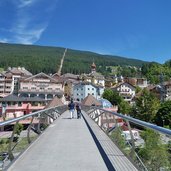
x=93 y=68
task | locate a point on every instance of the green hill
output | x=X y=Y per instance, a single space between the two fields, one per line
x=47 y=59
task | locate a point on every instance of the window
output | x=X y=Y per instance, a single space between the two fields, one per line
x=25 y=88
x=92 y=88
x=7 y=87
x=92 y=93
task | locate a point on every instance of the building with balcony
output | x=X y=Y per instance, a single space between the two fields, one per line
x=40 y=85
x=9 y=80
x=126 y=90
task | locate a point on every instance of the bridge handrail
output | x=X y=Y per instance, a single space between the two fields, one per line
x=139 y=122
x=3 y=123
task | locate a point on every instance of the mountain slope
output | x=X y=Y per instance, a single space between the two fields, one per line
x=47 y=59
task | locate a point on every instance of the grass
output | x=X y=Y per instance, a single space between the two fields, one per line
x=19 y=147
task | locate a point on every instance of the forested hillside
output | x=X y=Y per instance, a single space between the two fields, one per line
x=47 y=59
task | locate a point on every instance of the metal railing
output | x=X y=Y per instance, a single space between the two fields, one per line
x=108 y=121
x=36 y=121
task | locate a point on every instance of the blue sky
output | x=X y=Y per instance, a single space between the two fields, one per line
x=139 y=29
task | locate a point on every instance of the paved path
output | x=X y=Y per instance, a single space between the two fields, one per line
x=66 y=145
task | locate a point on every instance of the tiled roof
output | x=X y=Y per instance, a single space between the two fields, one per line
x=69 y=75
x=55 y=102
x=90 y=100
x=20 y=70
x=88 y=83
x=14 y=98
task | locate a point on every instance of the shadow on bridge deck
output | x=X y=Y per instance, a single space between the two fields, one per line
x=66 y=145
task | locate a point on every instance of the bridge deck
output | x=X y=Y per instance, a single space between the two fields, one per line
x=68 y=145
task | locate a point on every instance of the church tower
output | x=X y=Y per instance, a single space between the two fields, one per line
x=93 y=68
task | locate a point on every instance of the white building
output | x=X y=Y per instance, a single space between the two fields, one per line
x=9 y=80
x=83 y=89
x=126 y=90
x=40 y=85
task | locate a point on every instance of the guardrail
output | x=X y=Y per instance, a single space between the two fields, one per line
x=36 y=121
x=108 y=121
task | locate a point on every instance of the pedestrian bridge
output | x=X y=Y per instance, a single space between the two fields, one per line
x=71 y=145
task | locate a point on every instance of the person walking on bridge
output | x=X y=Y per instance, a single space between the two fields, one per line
x=71 y=106
x=78 y=108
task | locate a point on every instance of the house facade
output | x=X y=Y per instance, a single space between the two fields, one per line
x=126 y=90
x=9 y=80
x=83 y=89
x=40 y=85
x=140 y=82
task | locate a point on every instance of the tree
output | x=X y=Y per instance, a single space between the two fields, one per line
x=163 y=116
x=124 y=107
x=116 y=99
x=153 y=150
x=146 y=106
x=112 y=96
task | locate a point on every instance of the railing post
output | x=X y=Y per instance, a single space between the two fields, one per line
x=113 y=128
x=11 y=156
x=132 y=139
x=28 y=130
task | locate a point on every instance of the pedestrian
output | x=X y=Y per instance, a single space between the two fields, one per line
x=78 y=108
x=71 y=106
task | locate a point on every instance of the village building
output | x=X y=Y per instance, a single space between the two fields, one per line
x=9 y=80
x=126 y=90
x=83 y=89
x=93 y=77
x=13 y=105
x=40 y=85
x=69 y=80
x=140 y=82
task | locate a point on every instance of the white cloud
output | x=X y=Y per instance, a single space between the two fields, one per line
x=30 y=20
x=25 y=3
x=29 y=36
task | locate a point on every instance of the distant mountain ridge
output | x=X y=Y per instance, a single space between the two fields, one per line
x=47 y=59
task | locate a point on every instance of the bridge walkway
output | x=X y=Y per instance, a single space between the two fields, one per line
x=72 y=145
